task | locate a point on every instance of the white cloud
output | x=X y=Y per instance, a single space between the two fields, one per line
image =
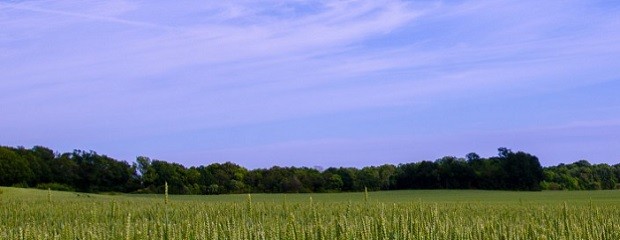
x=181 y=67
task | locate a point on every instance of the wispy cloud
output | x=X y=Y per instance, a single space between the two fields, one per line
x=132 y=69
x=102 y=12
x=224 y=46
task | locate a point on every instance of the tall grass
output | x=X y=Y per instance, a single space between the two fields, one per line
x=105 y=217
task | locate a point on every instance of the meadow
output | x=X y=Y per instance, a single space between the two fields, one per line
x=412 y=214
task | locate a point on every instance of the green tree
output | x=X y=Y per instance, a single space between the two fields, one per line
x=349 y=178
x=173 y=174
x=333 y=182
x=65 y=170
x=13 y=168
x=148 y=175
x=523 y=170
x=455 y=173
x=368 y=177
x=224 y=174
x=387 y=176
x=605 y=176
x=310 y=178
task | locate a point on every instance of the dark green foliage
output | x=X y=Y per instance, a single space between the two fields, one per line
x=14 y=168
x=100 y=173
x=91 y=172
x=349 y=178
x=522 y=170
x=581 y=175
x=64 y=170
x=55 y=186
x=79 y=170
x=455 y=173
x=508 y=171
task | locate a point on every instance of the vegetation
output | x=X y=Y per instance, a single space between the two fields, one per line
x=84 y=171
x=582 y=175
x=419 y=214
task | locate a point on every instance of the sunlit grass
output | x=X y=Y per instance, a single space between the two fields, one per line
x=451 y=214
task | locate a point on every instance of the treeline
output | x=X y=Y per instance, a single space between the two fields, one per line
x=76 y=171
x=87 y=171
x=581 y=175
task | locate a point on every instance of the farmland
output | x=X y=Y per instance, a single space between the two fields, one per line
x=412 y=214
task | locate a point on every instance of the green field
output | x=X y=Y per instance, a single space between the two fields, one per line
x=417 y=214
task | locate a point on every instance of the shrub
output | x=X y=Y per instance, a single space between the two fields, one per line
x=550 y=185
x=55 y=186
x=145 y=191
x=20 y=185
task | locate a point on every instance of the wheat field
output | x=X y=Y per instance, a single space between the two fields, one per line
x=40 y=214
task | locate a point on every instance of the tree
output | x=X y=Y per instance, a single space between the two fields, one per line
x=427 y=176
x=421 y=175
x=473 y=157
x=92 y=172
x=455 y=173
x=43 y=157
x=100 y=173
x=405 y=175
x=333 y=182
x=148 y=175
x=310 y=178
x=173 y=174
x=348 y=177
x=616 y=168
x=38 y=159
x=523 y=170
x=224 y=174
x=605 y=176
x=489 y=173
x=13 y=168
x=65 y=170
x=387 y=176
x=369 y=178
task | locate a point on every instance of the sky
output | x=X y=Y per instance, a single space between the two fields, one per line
x=312 y=83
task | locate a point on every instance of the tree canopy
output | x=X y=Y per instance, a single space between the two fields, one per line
x=88 y=171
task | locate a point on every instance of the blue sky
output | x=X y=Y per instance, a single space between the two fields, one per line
x=312 y=83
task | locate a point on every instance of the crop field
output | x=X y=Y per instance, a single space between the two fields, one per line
x=418 y=214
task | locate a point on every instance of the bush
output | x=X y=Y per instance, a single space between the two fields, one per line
x=550 y=185
x=55 y=186
x=110 y=193
x=20 y=185
x=144 y=191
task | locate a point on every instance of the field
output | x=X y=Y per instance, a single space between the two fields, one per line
x=435 y=214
